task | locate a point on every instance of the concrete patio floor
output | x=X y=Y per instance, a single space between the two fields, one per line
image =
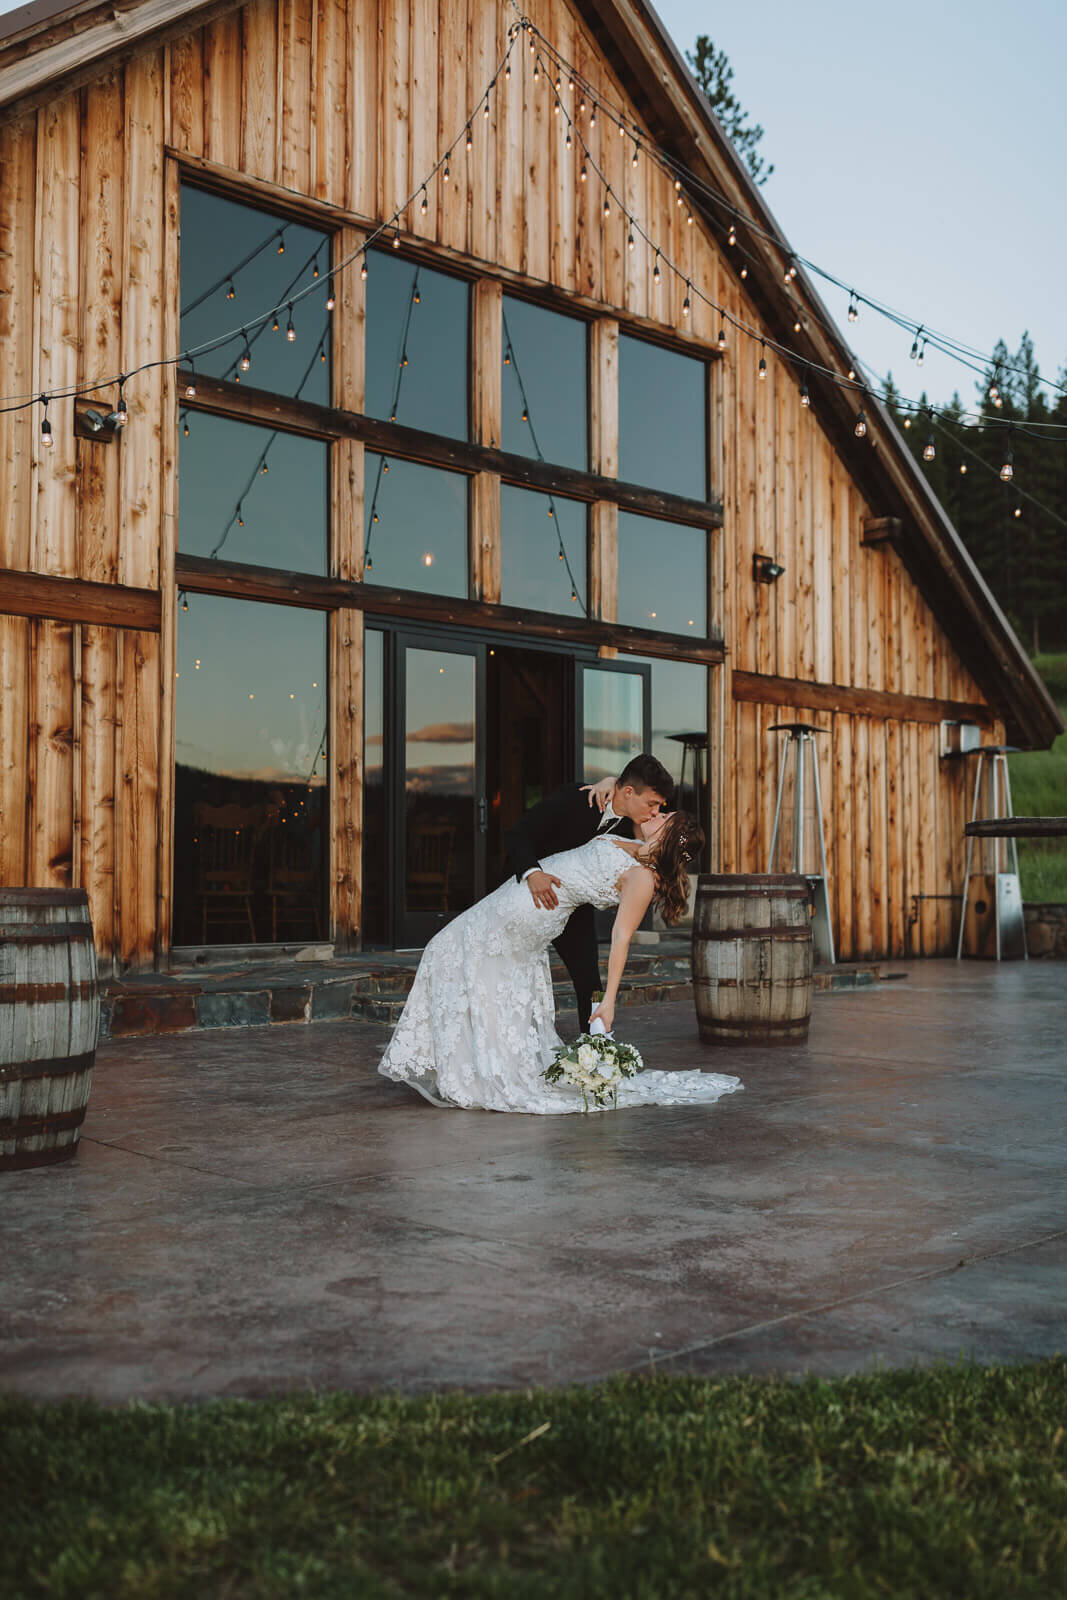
x=254 y=1210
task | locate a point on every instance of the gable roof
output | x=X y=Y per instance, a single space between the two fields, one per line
x=49 y=45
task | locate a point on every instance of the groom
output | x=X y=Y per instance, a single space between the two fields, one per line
x=565 y=820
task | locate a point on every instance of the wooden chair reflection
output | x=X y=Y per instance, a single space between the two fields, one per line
x=429 y=864
x=225 y=874
x=294 y=878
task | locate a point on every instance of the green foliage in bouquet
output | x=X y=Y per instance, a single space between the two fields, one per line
x=594 y=1064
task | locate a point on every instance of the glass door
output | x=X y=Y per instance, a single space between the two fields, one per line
x=613 y=724
x=440 y=784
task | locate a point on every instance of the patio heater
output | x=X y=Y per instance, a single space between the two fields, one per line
x=991 y=922
x=797 y=842
x=693 y=747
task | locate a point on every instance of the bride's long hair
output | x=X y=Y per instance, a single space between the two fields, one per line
x=671 y=854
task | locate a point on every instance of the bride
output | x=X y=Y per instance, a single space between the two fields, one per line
x=478 y=1027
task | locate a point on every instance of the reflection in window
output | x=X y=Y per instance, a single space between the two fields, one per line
x=230 y=507
x=545 y=385
x=375 y=844
x=416 y=346
x=415 y=534
x=680 y=728
x=535 y=529
x=237 y=263
x=662 y=419
x=663 y=575
x=440 y=702
x=612 y=721
x=250 y=844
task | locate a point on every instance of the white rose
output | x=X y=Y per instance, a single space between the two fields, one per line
x=587 y=1056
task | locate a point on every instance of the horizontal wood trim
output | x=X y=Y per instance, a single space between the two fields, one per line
x=768 y=691
x=108 y=605
x=201 y=575
x=236 y=401
x=1017 y=828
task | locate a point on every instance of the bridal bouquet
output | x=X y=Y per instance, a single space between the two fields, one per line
x=594 y=1063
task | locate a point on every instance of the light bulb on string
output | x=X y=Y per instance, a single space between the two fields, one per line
x=607 y=206
x=914 y=351
x=331 y=298
x=315 y=270
x=275 y=325
x=290 y=331
x=744 y=272
x=507 y=356
x=231 y=292
x=556 y=107
x=721 y=341
x=240 y=517
x=537 y=72
x=762 y=370
x=853 y=308
x=525 y=415
x=921 y=357
x=485 y=109
x=1018 y=511
x=689 y=219
x=732 y=237
x=929 y=448
x=469 y=140
x=122 y=415
x=185 y=426
x=656 y=274
x=790 y=271
x=796 y=324
x=447 y=172
x=581 y=106
x=569 y=142
x=1007 y=471
x=263 y=469
x=637 y=152
x=592 y=116
x=246 y=354
x=46 y=426
x=185 y=602
x=416 y=297
x=622 y=131
x=396 y=239
x=685 y=302
x=363 y=271
x=861 y=424
x=281 y=242
x=583 y=175
x=630 y=237
x=190 y=385
x=507 y=72
x=805 y=397
x=963 y=468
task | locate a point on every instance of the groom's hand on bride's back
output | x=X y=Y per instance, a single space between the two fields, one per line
x=543 y=886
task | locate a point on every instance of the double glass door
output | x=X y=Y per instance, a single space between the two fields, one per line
x=440 y=744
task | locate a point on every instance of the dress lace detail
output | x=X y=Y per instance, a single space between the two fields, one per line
x=479 y=1024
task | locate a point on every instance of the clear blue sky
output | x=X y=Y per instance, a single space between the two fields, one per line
x=919 y=153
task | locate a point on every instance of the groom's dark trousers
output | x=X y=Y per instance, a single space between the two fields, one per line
x=563 y=821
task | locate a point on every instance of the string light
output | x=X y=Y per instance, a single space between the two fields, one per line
x=630 y=237
x=485 y=109
x=281 y=243
x=246 y=354
x=722 y=336
x=853 y=308
x=231 y=292
x=447 y=172
x=685 y=302
x=185 y=427
x=860 y=429
x=185 y=601
x=607 y=207
x=762 y=361
x=46 y=426
x=290 y=331
x=569 y=142
x=240 y=516
x=122 y=415
x=1007 y=471
x=331 y=298
x=363 y=270
x=190 y=387
x=732 y=238
x=637 y=152
x=805 y=397
x=656 y=274
x=470 y=141
x=275 y=325
x=583 y=175
x=929 y=448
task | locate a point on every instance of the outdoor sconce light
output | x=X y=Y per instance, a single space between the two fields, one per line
x=765 y=569
x=93 y=422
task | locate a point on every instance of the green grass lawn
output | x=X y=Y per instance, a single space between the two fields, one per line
x=939 y=1482
x=1039 y=789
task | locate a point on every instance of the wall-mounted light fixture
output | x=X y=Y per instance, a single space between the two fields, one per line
x=95 y=421
x=765 y=569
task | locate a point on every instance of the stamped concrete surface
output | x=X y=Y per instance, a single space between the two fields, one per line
x=255 y=1209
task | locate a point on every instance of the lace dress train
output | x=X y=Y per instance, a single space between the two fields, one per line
x=479 y=1024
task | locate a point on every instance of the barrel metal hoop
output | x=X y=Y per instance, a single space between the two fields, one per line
x=50 y=1067
x=797 y=935
x=33 y=1127
x=37 y=994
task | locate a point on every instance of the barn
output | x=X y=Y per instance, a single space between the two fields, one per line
x=408 y=406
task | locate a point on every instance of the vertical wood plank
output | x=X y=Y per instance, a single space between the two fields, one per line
x=362 y=51
x=259 y=137
x=896 y=888
x=844 y=835
x=98 y=784
x=862 y=887
x=103 y=212
x=53 y=548
x=804 y=586
x=537 y=108
x=423 y=103
x=14 y=715
x=50 y=853
x=841 y=559
x=346 y=777
x=487 y=356
x=397 y=105
x=349 y=388
x=168 y=638
x=138 y=839
x=223 y=90
x=604 y=561
x=749 y=594
x=562 y=172
x=879 y=836
x=771 y=598
x=786 y=541
x=821 y=556
x=604 y=397
x=185 y=127
x=295 y=112
x=451 y=208
x=18 y=429
x=485 y=537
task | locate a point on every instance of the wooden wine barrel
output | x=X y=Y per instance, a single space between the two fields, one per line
x=752 y=958
x=49 y=1015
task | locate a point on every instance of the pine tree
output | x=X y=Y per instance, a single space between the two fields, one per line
x=714 y=74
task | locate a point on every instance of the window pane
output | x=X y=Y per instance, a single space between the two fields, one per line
x=533 y=526
x=419 y=540
x=547 y=378
x=662 y=419
x=613 y=721
x=375 y=847
x=250 y=836
x=663 y=575
x=416 y=348
x=230 y=508
x=439 y=780
x=680 y=727
x=227 y=246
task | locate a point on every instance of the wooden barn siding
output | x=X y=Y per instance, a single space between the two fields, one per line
x=351 y=105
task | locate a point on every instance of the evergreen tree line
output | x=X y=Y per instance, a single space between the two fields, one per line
x=1019 y=547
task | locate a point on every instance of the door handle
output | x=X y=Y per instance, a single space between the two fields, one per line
x=483 y=814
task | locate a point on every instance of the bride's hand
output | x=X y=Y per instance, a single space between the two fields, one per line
x=599 y=793
x=606 y=1014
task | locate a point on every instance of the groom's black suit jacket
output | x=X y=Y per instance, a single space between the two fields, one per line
x=563 y=821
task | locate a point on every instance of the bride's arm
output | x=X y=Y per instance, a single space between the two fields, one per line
x=635 y=896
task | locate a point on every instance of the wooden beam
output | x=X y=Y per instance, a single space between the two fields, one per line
x=202 y=575
x=761 y=689
x=881 y=530
x=219 y=397
x=106 y=605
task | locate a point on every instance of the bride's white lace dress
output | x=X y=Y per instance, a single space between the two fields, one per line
x=479 y=1023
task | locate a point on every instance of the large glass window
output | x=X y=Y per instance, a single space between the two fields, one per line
x=613 y=721
x=415 y=526
x=680 y=727
x=663 y=575
x=662 y=419
x=252 y=494
x=238 y=264
x=545 y=385
x=543 y=555
x=250 y=837
x=416 y=346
